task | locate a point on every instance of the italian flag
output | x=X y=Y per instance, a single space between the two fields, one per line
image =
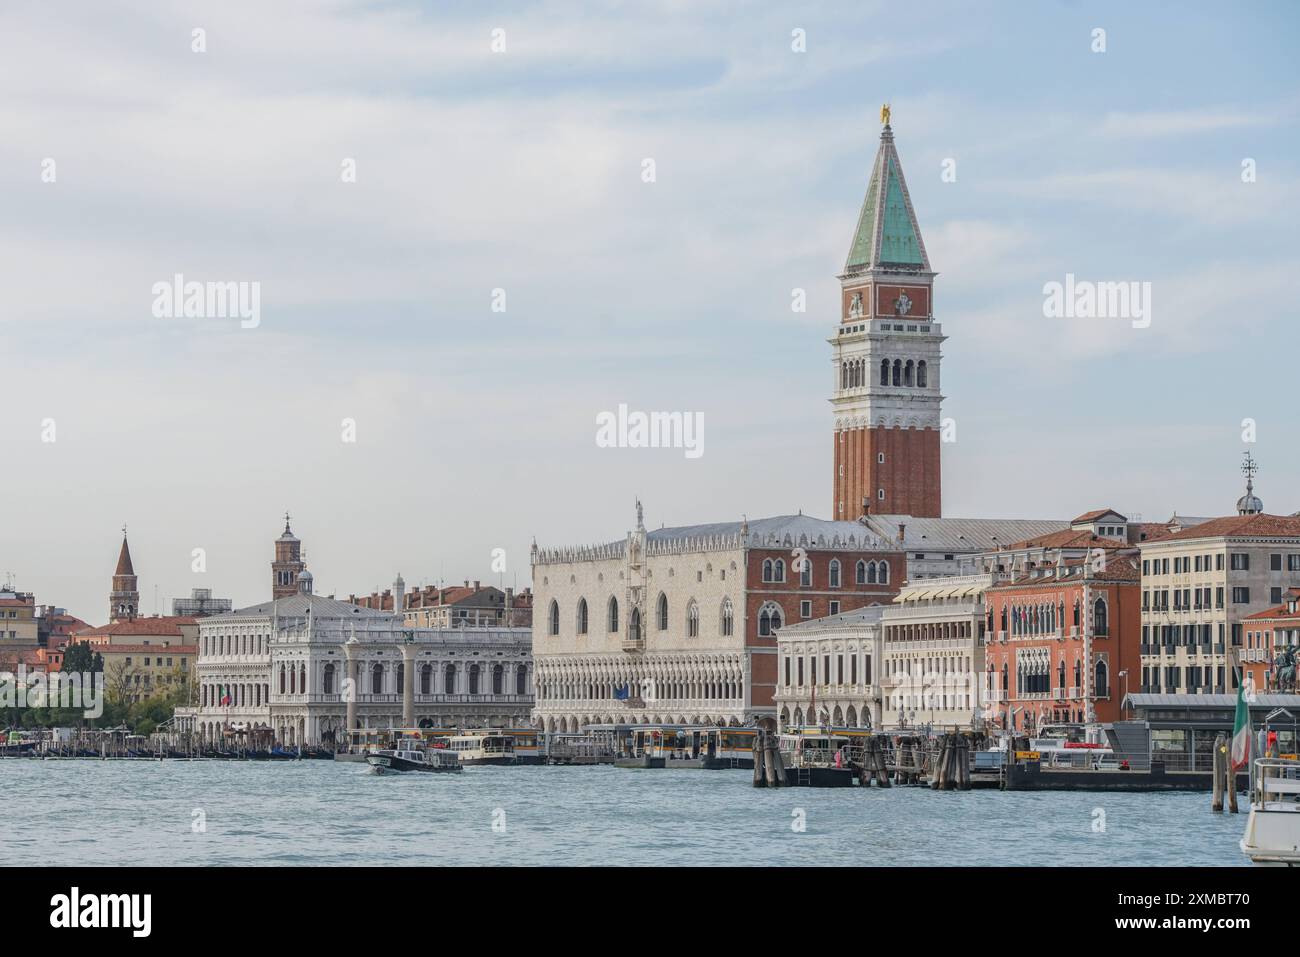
x=1241 y=730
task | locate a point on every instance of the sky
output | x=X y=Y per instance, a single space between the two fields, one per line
x=501 y=269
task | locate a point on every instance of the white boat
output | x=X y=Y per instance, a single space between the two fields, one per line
x=497 y=746
x=1273 y=827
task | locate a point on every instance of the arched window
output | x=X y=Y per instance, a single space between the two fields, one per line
x=835 y=573
x=1099 y=624
x=805 y=572
x=634 y=625
x=473 y=679
x=521 y=679
x=1004 y=676
x=377 y=679
x=661 y=612
x=426 y=679
x=1078 y=673
x=767 y=569
x=1060 y=673
x=898 y=372
x=401 y=676
x=778 y=570
x=922 y=377
x=769 y=620
x=612 y=617
x=498 y=678
x=860 y=572
x=1102 y=689
x=449 y=680
x=884 y=573
x=884 y=372
x=327 y=678
x=1076 y=613
x=553 y=618
x=582 y=616
x=907 y=373
x=1003 y=620
x=728 y=618
x=692 y=620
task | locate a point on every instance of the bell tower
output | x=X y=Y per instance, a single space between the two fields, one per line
x=886 y=354
x=288 y=564
x=124 y=599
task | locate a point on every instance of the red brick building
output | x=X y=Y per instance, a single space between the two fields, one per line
x=1264 y=634
x=886 y=354
x=1060 y=635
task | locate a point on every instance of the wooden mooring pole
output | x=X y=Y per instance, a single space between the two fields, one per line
x=1220 y=760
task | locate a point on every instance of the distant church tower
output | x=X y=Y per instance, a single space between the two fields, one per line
x=124 y=599
x=288 y=563
x=887 y=400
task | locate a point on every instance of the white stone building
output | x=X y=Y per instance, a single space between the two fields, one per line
x=679 y=625
x=281 y=665
x=932 y=654
x=827 y=671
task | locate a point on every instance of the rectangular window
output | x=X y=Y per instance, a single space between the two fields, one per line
x=835 y=608
x=805 y=609
x=1275 y=596
x=1218 y=562
x=1240 y=562
x=1240 y=595
x=1146 y=566
x=801 y=672
x=1293 y=563
x=787 y=669
x=1275 y=562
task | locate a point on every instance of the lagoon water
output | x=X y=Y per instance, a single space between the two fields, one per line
x=326 y=813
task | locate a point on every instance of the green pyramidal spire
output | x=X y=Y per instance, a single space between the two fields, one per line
x=887 y=235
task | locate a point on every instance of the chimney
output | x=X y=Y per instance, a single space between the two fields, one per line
x=902 y=531
x=466 y=582
x=476 y=586
x=866 y=506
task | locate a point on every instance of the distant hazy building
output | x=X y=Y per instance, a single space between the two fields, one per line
x=200 y=604
x=18 y=622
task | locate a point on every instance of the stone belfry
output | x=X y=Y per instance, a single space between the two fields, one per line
x=886 y=353
x=124 y=599
x=288 y=564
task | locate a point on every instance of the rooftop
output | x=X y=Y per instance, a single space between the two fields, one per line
x=960 y=534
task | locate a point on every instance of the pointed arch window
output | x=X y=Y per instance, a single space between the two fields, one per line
x=553 y=618
x=883 y=573
x=728 y=618
x=1100 y=626
x=1102 y=688
x=860 y=572
x=769 y=619
x=778 y=570
x=661 y=611
x=692 y=620
x=612 y=617
x=805 y=572
x=922 y=375
x=634 y=625
x=582 y=616
x=835 y=573
x=767 y=570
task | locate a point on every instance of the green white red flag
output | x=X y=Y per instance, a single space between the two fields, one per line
x=1241 y=730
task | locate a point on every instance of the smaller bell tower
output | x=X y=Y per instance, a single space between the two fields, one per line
x=288 y=564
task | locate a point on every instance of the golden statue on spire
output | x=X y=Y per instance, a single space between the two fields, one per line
x=884 y=114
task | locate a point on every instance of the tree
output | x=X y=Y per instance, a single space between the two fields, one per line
x=79 y=656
